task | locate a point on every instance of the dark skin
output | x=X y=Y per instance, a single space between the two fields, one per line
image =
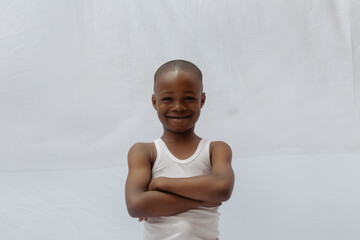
x=178 y=99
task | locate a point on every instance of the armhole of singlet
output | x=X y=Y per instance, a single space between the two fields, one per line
x=158 y=154
x=207 y=151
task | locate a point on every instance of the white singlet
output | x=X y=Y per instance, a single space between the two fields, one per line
x=195 y=224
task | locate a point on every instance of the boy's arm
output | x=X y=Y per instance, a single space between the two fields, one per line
x=216 y=187
x=143 y=203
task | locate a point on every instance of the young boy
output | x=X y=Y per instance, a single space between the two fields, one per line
x=177 y=182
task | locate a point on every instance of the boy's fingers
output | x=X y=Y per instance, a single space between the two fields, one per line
x=142 y=219
x=211 y=204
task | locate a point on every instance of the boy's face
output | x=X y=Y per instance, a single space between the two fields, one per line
x=178 y=100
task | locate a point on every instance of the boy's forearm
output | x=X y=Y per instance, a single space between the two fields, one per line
x=155 y=204
x=205 y=188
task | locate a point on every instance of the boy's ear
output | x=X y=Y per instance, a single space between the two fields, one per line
x=203 y=98
x=153 y=100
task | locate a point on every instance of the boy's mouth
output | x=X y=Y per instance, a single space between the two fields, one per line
x=179 y=117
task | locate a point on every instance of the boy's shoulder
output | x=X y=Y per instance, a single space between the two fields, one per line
x=146 y=149
x=219 y=144
x=142 y=145
x=219 y=147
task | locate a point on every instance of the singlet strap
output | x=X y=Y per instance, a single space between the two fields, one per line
x=207 y=151
x=158 y=153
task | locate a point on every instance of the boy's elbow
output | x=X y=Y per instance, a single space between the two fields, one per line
x=132 y=212
x=224 y=191
x=134 y=207
x=226 y=194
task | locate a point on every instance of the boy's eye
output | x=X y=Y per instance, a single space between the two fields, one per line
x=166 y=99
x=189 y=98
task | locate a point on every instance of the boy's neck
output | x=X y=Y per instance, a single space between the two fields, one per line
x=187 y=136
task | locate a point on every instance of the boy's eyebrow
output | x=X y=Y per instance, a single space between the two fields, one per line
x=169 y=92
x=165 y=92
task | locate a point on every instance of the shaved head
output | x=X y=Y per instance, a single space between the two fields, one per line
x=178 y=65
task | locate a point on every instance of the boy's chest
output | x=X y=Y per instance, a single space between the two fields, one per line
x=182 y=152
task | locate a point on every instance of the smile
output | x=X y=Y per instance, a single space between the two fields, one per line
x=178 y=117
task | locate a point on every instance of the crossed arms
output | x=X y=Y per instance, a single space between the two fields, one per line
x=146 y=197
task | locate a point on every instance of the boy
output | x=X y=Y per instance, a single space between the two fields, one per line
x=177 y=182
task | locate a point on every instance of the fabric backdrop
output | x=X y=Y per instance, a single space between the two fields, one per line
x=76 y=76
x=282 y=81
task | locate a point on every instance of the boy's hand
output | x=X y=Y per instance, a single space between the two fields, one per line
x=142 y=219
x=211 y=204
x=155 y=184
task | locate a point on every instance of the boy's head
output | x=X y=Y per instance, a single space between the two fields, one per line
x=178 y=95
x=178 y=65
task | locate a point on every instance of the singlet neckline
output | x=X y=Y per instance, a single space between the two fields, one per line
x=189 y=159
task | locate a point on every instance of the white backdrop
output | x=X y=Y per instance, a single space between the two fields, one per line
x=283 y=89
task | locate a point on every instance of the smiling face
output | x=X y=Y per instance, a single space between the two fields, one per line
x=178 y=100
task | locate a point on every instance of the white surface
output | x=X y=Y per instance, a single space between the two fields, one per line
x=76 y=76
x=283 y=88
x=314 y=197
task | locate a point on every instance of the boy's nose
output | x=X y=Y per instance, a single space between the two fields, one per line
x=179 y=106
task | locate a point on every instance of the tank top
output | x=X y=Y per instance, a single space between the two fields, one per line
x=195 y=224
